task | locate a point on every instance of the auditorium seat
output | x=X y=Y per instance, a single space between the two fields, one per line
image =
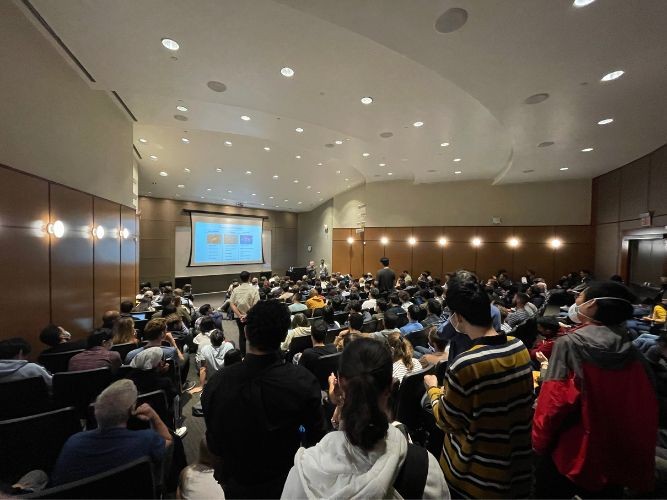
x=123 y=349
x=408 y=402
x=21 y=398
x=332 y=334
x=370 y=326
x=132 y=480
x=297 y=345
x=80 y=388
x=57 y=362
x=325 y=366
x=402 y=319
x=34 y=442
x=526 y=332
x=155 y=399
x=341 y=317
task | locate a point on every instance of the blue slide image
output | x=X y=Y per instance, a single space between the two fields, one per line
x=221 y=244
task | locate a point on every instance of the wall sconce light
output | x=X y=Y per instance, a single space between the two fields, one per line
x=384 y=240
x=513 y=242
x=98 y=232
x=125 y=233
x=555 y=243
x=476 y=242
x=412 y=240
x=350 y=240
x=57 y=229
x=442 y=242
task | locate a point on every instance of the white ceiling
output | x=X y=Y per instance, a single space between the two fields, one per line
x=468 y=88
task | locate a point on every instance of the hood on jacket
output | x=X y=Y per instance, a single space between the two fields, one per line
x=11 y=366
x=605 y=346
x=337 y=469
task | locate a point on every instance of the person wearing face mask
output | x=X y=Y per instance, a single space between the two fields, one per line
x=596 y=419
x=485 y=406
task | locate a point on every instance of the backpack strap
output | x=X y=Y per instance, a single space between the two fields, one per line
x=411 y=479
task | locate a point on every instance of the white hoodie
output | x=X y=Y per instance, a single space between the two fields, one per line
x=334 y=468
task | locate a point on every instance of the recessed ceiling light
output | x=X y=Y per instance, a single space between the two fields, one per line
x=582 y=3
x=262 y=204
x=296 y=181
x=153 y=157
x=228 y=143
x=202 y=197
x=606 y=121
x=536 y=98
x=457 y=172
x=366 y=100
x=382 y=164
x=319 y=164
x=187 y=170
x=285 y=201
x=451 y=20
x=384 y=240
x=181 y=108
x=307 y=187
x=339 y=142
x=390 y=173
x=299 y=130
x=164 y=174
x=253 y=194
x=185 y=140
x=299 y=203
x=181 y=118
x=275 y=176
x=346 y=179
x=287 y=72
x=564 y=168
x=267 y=148
x=270 y=197
x=170 y=44
x=181 y=186
x=365 y=155
x=417 y=124
x=216 y=86
x=276 y=206
x=444 y=144
x=229 y=191
x=245 y=118
x=208 y=189
x=143 y=141
x=248 y=172
x=298 y=157
x=545 y=144
x=612 y=76
x=218 y=170
x=457 y=159
x=338 y=171
x=319 y=192
x=587 y=150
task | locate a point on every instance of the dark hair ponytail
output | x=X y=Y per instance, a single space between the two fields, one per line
x=366 y=367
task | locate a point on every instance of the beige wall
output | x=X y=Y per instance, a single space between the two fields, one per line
x=619 y=197
x=53 y=124
x=311 y=232
x=474 y=203
x=159 y=219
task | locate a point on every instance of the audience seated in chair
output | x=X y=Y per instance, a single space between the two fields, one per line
x=434 y=311
x=109 y=319
x=254 y=409
x=14 y=364
x=390 y=326
x=123 y=331
x=356 y=321
x=519 y=315
x=364 y=459
x=111 y=444
x=315 y=299
x=414 y=312
x=296 y=306
x=98 y=353
x=300 y=327
x=318 y=332
x=438 y=348
x=211 y=357
x=550 y=330
x=402 y=356
x=59 y=340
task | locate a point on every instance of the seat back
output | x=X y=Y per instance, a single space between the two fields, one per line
x=58 y=361
x=325 y=366
x=123 y=349
x=133 y=480
x=370 y=326
x=341 y=317
x=299 y=344
x=402 y=319
x=526 y=332
x=158 y=401
x=24 y=397
x=418 y=338
x=408 y=402
x=332 y=334
x=80 y=388
x=34 y=442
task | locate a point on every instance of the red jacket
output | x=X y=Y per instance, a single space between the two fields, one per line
x=597 y=412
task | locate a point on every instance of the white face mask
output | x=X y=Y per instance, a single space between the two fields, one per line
x=451 y=320
x=574 y=312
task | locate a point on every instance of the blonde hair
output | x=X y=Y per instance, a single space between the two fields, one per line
x=123 y=331
x=401 y=349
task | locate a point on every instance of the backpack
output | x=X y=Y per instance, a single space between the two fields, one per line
x=411 y=479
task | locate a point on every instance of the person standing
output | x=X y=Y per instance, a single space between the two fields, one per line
x=242 y=299
x=311 y=271
x=386 y=277
x=323 y=270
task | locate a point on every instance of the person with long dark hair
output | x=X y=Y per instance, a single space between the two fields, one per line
x=365 y=457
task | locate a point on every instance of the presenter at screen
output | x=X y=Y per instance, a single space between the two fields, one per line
x=242 y=299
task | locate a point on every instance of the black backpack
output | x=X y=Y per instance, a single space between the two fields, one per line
x=411 y=479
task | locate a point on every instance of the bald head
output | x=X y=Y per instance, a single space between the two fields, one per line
x=109 y=319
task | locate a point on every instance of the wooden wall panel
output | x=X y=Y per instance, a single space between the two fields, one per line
x=341 y=234
x=535 y=234
x=426 y=256
x=536 y=256
x=374 y=233
x=491 y=257
x=572 y=257
x=72 y=261
x=458 y=255
x=356 y=258
x=427 y=233
x=460 y=233
x=398 y=234
x=373 y=252
x=341 y=257
x=496 y=234
x=24 y=200
x=399 y=254
x=106 y=258
x=128 y=255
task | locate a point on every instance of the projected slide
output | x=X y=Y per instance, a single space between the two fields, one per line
x=219 y=240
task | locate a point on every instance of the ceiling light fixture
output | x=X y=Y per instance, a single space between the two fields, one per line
x=338 y=171
x=229 y=191
x=587 y=150
x=319 y=164
x=287 y=72
x=606 y=121
x=564 y=169
x=271 y=197
x=307 y=187
x=299 y=130
x=457 y=159
x=267 y=148
x=153 y=157
x=253 y=194
x=612 y=76
x=275 y=176
x=582 y=3
x=181 y=186
x=365 y=155
x=245 y=118
x=417 y=124
x=444 y=144
x=98 y=232
x=185 y=140
x=181 y=108
x=209 y=189
x=143 y=141
x=339 y=142
x=187 y=170
x=228 y=143
x=218 y=170
x=248 y=172
x=390 y=173
x=384 y=240
x=125 y=233
x=164 y=174
x=457 y=172
x=298 y=157
x=296 y=181
x=170 y=44
x=366 y=100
